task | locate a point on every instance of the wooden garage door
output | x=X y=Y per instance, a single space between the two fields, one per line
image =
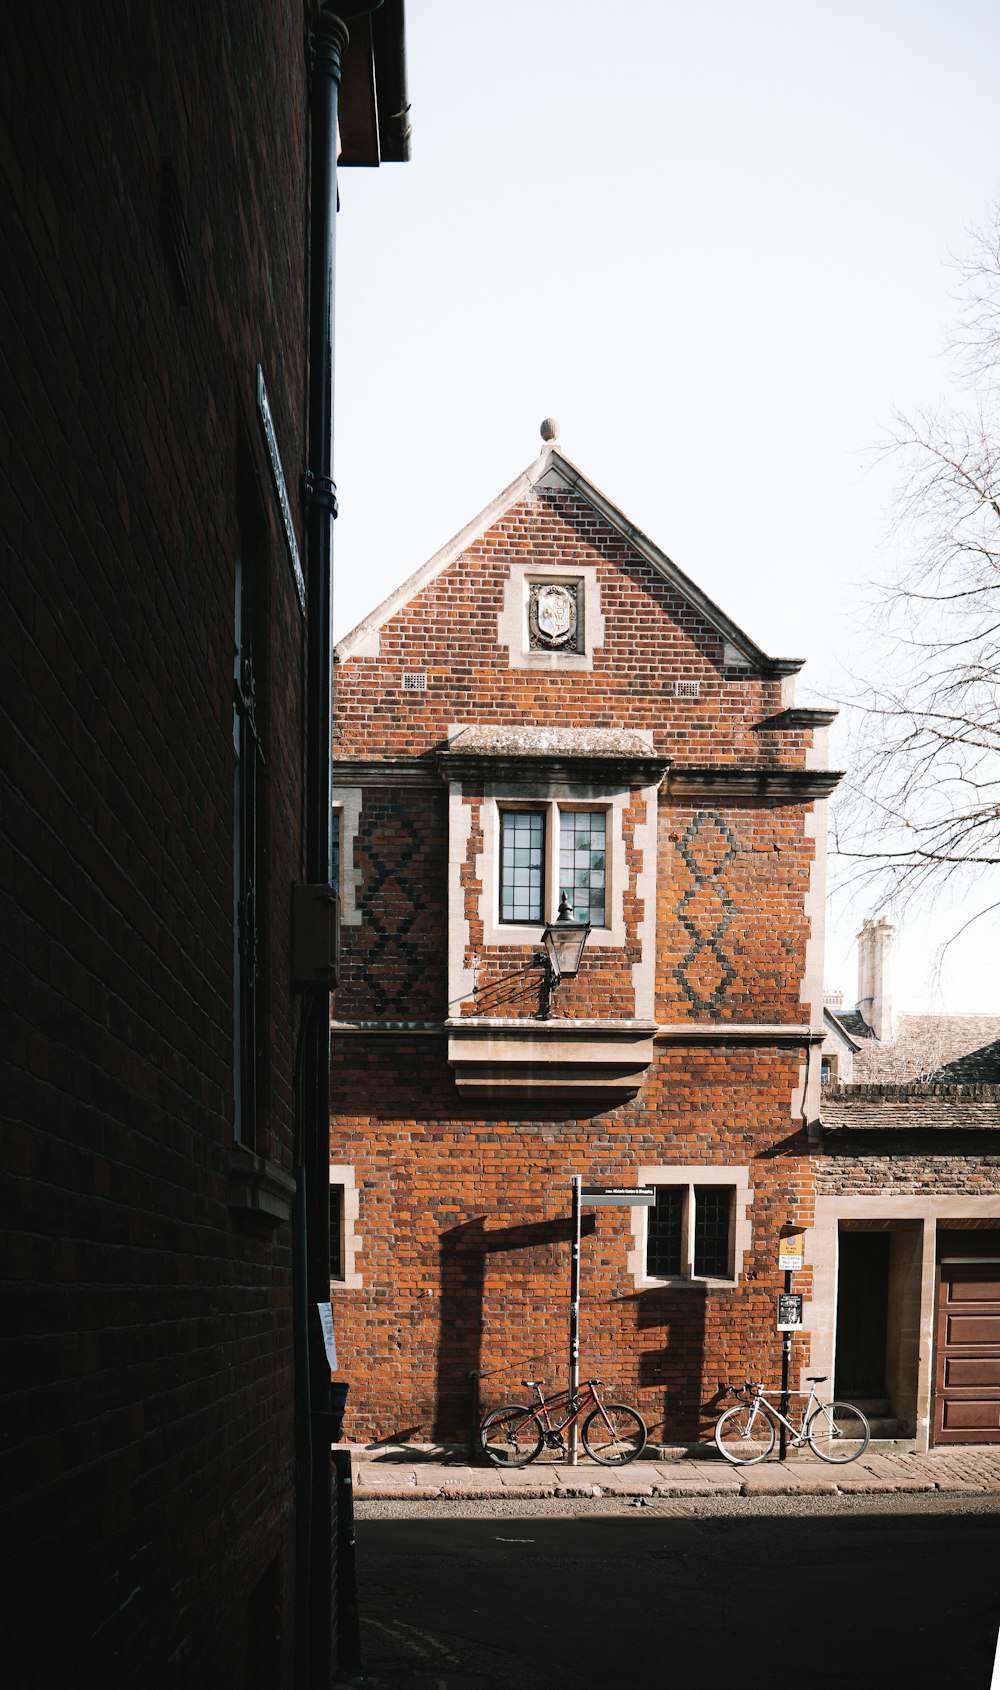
x=967 y=1382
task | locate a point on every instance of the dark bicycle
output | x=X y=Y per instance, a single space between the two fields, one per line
x=513 y=1435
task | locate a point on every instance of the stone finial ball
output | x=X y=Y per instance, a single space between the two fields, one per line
x=549 y=429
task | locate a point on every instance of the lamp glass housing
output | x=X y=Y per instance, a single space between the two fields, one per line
x=564 y=940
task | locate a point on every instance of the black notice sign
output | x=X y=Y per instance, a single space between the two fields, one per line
x=626 y=1195
x=789 y=1311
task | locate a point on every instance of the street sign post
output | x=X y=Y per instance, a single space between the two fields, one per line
x=593 y=1196
x=791 y=1255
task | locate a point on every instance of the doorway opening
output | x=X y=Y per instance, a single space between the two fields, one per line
x=862 y=1314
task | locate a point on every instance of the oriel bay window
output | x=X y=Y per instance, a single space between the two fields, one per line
x=549 y=850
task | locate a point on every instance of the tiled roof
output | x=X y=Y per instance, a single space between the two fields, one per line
x=853 y=1022
x=911 y=1108
x=951 y=1049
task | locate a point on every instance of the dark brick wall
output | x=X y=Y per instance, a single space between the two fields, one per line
x=152 y=172
x=905 y=1167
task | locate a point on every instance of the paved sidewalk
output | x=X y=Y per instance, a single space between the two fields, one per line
x=411 y=1472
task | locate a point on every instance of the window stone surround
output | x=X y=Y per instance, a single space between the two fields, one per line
x=342 y=1173
x=512 y=621
x=737 y=1178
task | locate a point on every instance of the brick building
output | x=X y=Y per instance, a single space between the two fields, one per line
x=162 y=646
x=906 y=1241
x=549 y=704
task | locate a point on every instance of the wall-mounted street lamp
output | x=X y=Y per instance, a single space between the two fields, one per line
x=564 y=940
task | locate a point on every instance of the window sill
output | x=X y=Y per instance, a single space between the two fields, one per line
x=261 y=1193
x=710 y=1282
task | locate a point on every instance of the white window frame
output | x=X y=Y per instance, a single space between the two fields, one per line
x=553 y=810
x=346 y=805
x=687 y=1178
x=552 y=804
x=342 y=1174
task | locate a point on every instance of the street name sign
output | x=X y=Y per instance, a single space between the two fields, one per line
x=618 y=1194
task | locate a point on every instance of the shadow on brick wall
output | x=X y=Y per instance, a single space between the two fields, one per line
x=464 y=1252
x=676 y=1369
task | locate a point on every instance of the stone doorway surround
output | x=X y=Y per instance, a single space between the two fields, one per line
x=914 y=1221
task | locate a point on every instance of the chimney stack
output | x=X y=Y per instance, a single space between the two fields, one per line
x=875 y=976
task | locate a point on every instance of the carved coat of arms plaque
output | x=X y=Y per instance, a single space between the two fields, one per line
x=553 y=615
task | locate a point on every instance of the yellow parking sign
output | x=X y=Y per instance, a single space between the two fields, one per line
x=791 y=1250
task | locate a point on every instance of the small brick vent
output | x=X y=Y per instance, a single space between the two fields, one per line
x=415 y=681
x=687 y=689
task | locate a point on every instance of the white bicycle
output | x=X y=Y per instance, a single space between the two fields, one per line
x=835 y=1431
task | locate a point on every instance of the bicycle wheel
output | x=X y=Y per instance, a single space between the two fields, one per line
x=615 y=1444
x=744 y=1434
x=838 y=1432
x=511 y=1436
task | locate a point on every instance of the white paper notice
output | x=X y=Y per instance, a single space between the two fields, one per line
x=326 y=1321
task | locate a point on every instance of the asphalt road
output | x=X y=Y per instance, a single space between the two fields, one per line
x=636 y=1598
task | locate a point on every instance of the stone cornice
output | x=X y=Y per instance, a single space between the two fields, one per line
x=771 y=785
x=738 y=1032
x=605 y=770
x=387 y=1029
x=386 y=771
x=493 y=1055
x=722 y=782
x=797 y=716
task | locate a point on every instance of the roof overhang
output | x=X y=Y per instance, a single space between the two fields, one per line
x=373 y=110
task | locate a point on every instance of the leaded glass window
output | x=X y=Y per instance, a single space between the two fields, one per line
x=663 y=1251
x=582 y=858
x=690 y=1232
x=712 y=1209
x=336 y=1231
x=522 y=865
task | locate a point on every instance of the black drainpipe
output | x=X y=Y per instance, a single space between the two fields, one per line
x=314 y=1641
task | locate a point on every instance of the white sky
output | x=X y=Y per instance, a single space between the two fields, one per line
x=712 y=240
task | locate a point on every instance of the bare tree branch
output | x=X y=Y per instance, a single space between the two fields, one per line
x=923 y=805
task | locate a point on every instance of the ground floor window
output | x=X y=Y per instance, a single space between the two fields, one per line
x=698 y=1227
x=345 y=1241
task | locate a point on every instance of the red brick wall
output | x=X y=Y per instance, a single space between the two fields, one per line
x=653 y=639
x=464 y=1206
x=464 y=1217
x=149 y=1341
x=395 y=963
x=731 y=923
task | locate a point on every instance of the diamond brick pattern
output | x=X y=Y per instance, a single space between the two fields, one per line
x=706 y=910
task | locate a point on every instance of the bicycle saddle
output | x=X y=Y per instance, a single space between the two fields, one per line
x=531 y=1383
x=816 y=1378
